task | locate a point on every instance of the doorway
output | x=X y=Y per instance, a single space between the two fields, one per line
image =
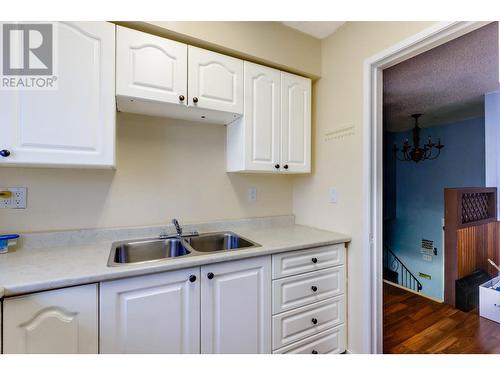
x=437 y=35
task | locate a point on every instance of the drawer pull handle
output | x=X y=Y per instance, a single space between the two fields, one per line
x=314 y=288
x=314 y=321
x=192 y=278
x=210 y=275
x=314 y=352
x=314 y=260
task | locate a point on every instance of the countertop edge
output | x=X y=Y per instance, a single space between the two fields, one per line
x=164 y=266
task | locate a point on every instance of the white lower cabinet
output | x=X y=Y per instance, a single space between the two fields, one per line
x=219 y=308
x=331 y=341
x=62 y=321
x=309 y=303
x=224 y=307
x=157 y=313
x=236 y=307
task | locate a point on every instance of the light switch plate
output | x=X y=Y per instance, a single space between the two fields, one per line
x=17 y=199
x=332 y=195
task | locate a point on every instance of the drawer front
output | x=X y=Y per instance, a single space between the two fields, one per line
x=297 y=262
x=301 y=290
x=294 y=325
x=332 y=341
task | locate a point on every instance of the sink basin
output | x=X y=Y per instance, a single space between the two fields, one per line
x=140 y=251
x=156 y=249
x=221 y=241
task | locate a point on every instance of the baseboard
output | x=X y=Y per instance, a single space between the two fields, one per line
x=412 y=291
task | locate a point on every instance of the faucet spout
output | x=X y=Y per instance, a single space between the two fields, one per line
x=178 y=228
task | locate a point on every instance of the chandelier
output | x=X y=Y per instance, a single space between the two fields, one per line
x=428 y=151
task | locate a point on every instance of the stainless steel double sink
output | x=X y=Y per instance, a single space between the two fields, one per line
x=158 y=249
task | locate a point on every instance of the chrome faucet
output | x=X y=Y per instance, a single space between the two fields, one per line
x=179 y=232
x=178 y=228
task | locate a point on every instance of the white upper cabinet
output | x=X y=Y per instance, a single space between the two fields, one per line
x=156 y=314
x=274 y=134
x=215 y=81
x=295 y=123
x=72 y=124
x=254 y=141
x=236 y=307
x=150 y=67
x=62 y=321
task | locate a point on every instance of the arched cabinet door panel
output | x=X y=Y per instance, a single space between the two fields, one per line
x=150 y=67
x=72 y=123
x=215 y=81
x=62 y=321
x=295 y=123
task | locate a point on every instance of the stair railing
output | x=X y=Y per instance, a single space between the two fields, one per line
x=405 y=277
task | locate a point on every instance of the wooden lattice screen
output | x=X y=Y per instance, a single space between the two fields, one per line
x=469 y=240
x=476 y=207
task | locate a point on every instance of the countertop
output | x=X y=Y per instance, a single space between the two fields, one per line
x=31 y=270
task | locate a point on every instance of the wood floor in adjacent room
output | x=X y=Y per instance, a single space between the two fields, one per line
x=414 y=324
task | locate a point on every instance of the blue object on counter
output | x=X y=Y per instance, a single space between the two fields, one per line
x=6 y=240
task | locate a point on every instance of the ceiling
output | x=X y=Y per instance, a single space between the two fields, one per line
x=317 y=29
x=445 y=84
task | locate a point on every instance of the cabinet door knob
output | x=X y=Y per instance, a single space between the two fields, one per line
x=314 y=352
x=314 y=260
x=314 y=321
x=192 y=278
x=277 y=166
x=285 y=166
x=5 y=153
x=195 y=100
x=181 y=98
x=314 y=288
x=210 y=275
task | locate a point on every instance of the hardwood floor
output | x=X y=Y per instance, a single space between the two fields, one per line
x=414 y=324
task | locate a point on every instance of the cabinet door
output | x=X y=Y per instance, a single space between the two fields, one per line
x=215 y=81
x=153 y=314
x=295 y=123
x=73 y=123
x=150 y=67
x=262 y=117
x=236 y=307
x=62 y=321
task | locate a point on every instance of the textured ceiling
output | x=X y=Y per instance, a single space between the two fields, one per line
x=317 y=29
x=445 y=84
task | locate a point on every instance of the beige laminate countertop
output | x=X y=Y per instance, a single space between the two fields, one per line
x=31 y=270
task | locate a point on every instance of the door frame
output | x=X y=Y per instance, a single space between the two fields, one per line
x=439 y=33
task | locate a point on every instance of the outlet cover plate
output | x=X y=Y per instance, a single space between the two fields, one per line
x=17 y=200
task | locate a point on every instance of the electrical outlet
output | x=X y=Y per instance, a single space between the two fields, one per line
x=332 y=195
x=17 y=197
x=252 y=194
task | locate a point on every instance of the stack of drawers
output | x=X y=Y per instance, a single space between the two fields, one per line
x=309 y=301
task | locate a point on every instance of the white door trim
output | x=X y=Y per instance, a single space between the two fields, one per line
x=435 y=35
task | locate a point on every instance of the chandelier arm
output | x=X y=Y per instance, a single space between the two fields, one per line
x=437 y=155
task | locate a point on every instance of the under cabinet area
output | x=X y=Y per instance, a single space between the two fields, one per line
x=62 y=321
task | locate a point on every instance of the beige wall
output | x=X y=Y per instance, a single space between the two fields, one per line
x=165 y=168
x=269 y=43
x=338 y=163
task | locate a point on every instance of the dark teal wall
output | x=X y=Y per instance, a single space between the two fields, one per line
x=418 y=195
